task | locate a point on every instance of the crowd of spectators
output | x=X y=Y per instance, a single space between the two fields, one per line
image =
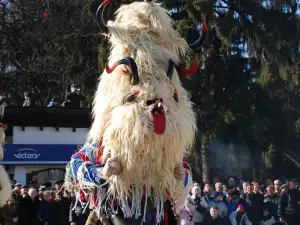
x=218 y=204
x=43 y=206
x=243 y=204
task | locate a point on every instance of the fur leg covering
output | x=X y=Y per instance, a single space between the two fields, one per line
x=5 y=187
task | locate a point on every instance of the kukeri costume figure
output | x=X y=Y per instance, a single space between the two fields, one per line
x=133 y=160
x=5 y=185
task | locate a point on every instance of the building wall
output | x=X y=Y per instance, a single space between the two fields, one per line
x=20 y=171
x=33 y=135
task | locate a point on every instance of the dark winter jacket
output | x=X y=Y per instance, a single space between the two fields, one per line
x=63 y=210
x=76 y=214
x=26 y=211
x=46 y=212
x=255 y=203
x=271 y=203
x=289 y=203
x=208 y=220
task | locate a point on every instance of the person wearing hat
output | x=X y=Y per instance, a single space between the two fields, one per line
x=74 y=97
x=17 y=188
x=271 y=201
x=29 y=101
x=289 y=205
x=255 y=202
x=217 y=201
x=239 y=216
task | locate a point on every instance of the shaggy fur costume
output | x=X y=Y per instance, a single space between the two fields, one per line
x=144 y=32
x=5 y=187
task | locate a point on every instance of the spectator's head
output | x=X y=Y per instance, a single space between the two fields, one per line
x=225 y=189
x=18 y=187
x=229 y=197
x=292 y=184
x=219 y=187
x=240 y=208
x=216 y=196
x=24 y=191
x=196 y=191
x=32 y=193
x=47 y=196
x=270 y=190
x=249 y=189
x=207 y=188
x=74 y=88
x=66 y=194
x=245 y=185
x=269 y=182
x=27 y=94
x=213 y=211
x=42 y=188
x=196 y=184
x=255 y=187
x=277 y=185
x=231 y=182
x=58 y=185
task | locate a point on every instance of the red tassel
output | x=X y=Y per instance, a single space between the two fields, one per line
x=204 y=27
x=166 y=218
x=46 y=14
x=2 y=126
x=189 y=72
x=175 y=95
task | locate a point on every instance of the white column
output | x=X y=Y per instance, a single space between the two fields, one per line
x=20 y=174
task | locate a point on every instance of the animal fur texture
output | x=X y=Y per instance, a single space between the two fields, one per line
x=144 y=31
x=5 y=188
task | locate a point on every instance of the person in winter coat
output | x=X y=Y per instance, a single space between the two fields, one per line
x=268 y=219
x=255 y=202
x=186 y=213
x=217 y=202
x=46 y=211
x=289 y=205
x=230 y=203
x=26 y=209
x=76 y=215
x=200 y=203
x=213 y=218
x=9 y=212
x=63 y=203
x=239 y=217
x=271 y=202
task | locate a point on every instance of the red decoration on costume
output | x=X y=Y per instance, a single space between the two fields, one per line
x=136 y=92
x=82 y=156
x=204 y=27
x=166 y=217
x=189 y=72
x=3 y=126
x=186 y=165
x=159 y=122
x=46 y=13
x=96 y=200
x=110 y=70
x=99 y=153
x=82 y=194
x=175 y=95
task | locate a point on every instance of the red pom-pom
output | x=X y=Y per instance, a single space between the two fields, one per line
x=204 y=27
x=2 y=126
x=46 y=14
